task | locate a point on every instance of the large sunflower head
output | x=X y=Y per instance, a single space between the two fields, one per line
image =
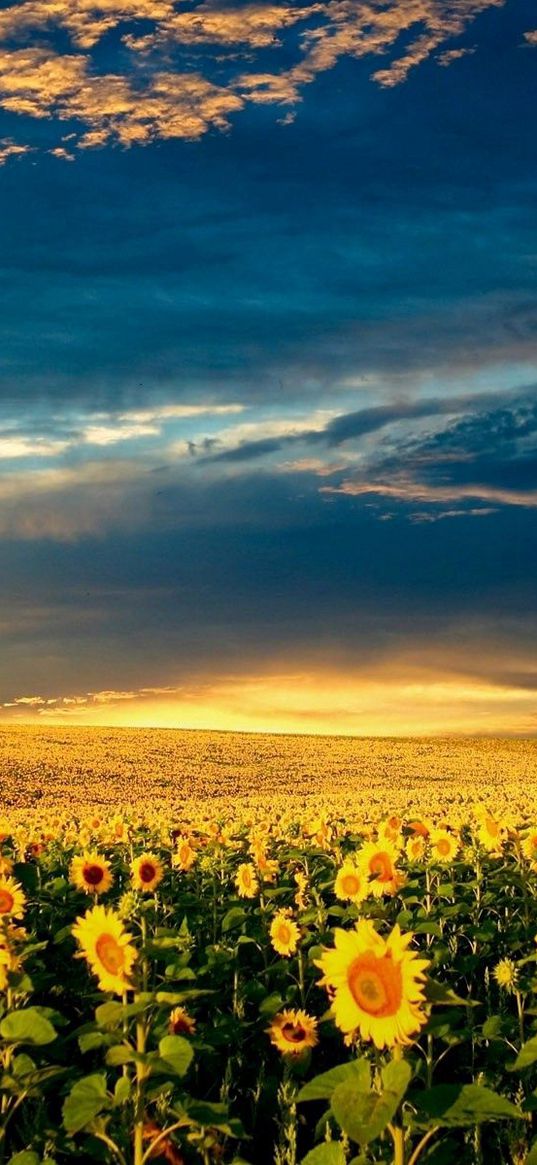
x=350 y=884
x=444 y=846
x=293 y=1031
x=284 y=933
x=106 y=946
x=12 y=898
x=147 y=872
x=91 y=873
x=376 y=984
x=246 y=880
x=378 y=864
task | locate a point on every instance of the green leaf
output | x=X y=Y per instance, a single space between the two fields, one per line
x=234 y=918
x=87 y=1098
x=122 y=1090
x=109 y=1014
x=322 y=1086
x=527 y=1055
x=22 y=1065
x=271 y=1004
x=396 y=1077
x=443 y=996
x=27 y=1157
x=120 y=1054
x=456 y=1105
x=531 y=1159
x=177 y=1053
x=27 y=1026
x=329 y=1154
x=363 y=1115
x=213 y=1115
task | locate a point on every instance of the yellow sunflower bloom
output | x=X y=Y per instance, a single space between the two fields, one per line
x=106 y=946
x=284 y=934
x=444 y=846
x=184 y=856
x=491 y=833
x=246 y=881
x=506 y=974
x=181 y=1023
x=91 y=873
x=376 y=984
x=529 y=845
x=415 y=848
x=293 y=1031
x=350 y=884
x=377 y=862
x=147 y=872
x=12 y=898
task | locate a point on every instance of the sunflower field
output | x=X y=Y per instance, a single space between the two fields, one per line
x=268 y=990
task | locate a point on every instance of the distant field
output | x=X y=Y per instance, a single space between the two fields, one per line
x=80 y=767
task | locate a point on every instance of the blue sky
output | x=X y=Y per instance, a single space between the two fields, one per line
x=269 y=334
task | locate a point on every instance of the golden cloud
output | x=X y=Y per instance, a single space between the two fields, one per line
x=153 y=95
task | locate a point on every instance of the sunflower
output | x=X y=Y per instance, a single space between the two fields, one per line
x=91 y=873
x=293 y=1031
x=422 y=828
x=12 y=898
x=146 y=871
x=491 y=833
x=377 y=861
x=6 y=865
x=506 y=974
x=376 y=984
x=415 y=848
x=284 y=933
x=246 y=881
x=181 y=1023
x=529 y=844
x=184 y=856
x=390 y=830
x=350 y=884
x=106 y=946
x=444 y=846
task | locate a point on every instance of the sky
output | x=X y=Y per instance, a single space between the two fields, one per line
x=268 y=408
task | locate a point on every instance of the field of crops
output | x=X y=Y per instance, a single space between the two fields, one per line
x=269 y=979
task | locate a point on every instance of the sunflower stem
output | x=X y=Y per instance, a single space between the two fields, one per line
x=398 y=1138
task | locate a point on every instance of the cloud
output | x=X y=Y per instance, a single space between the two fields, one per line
x=150 y=95
x=406 y=490
x=10 y=149
x=531 y=37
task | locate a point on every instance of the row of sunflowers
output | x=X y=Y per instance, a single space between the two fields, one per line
x=261 y=992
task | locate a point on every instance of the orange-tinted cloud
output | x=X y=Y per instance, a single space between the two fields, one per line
x=152 y=95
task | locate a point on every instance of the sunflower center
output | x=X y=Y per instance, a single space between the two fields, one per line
x=294 y=1033
x=350 y=884
x=110 y=953
x=443 y=847
x=93 y=874
x=380 y=867
x=7 y=902
x=492 y=826
x=376 y=984
x=147 y=872
x=284 y=932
